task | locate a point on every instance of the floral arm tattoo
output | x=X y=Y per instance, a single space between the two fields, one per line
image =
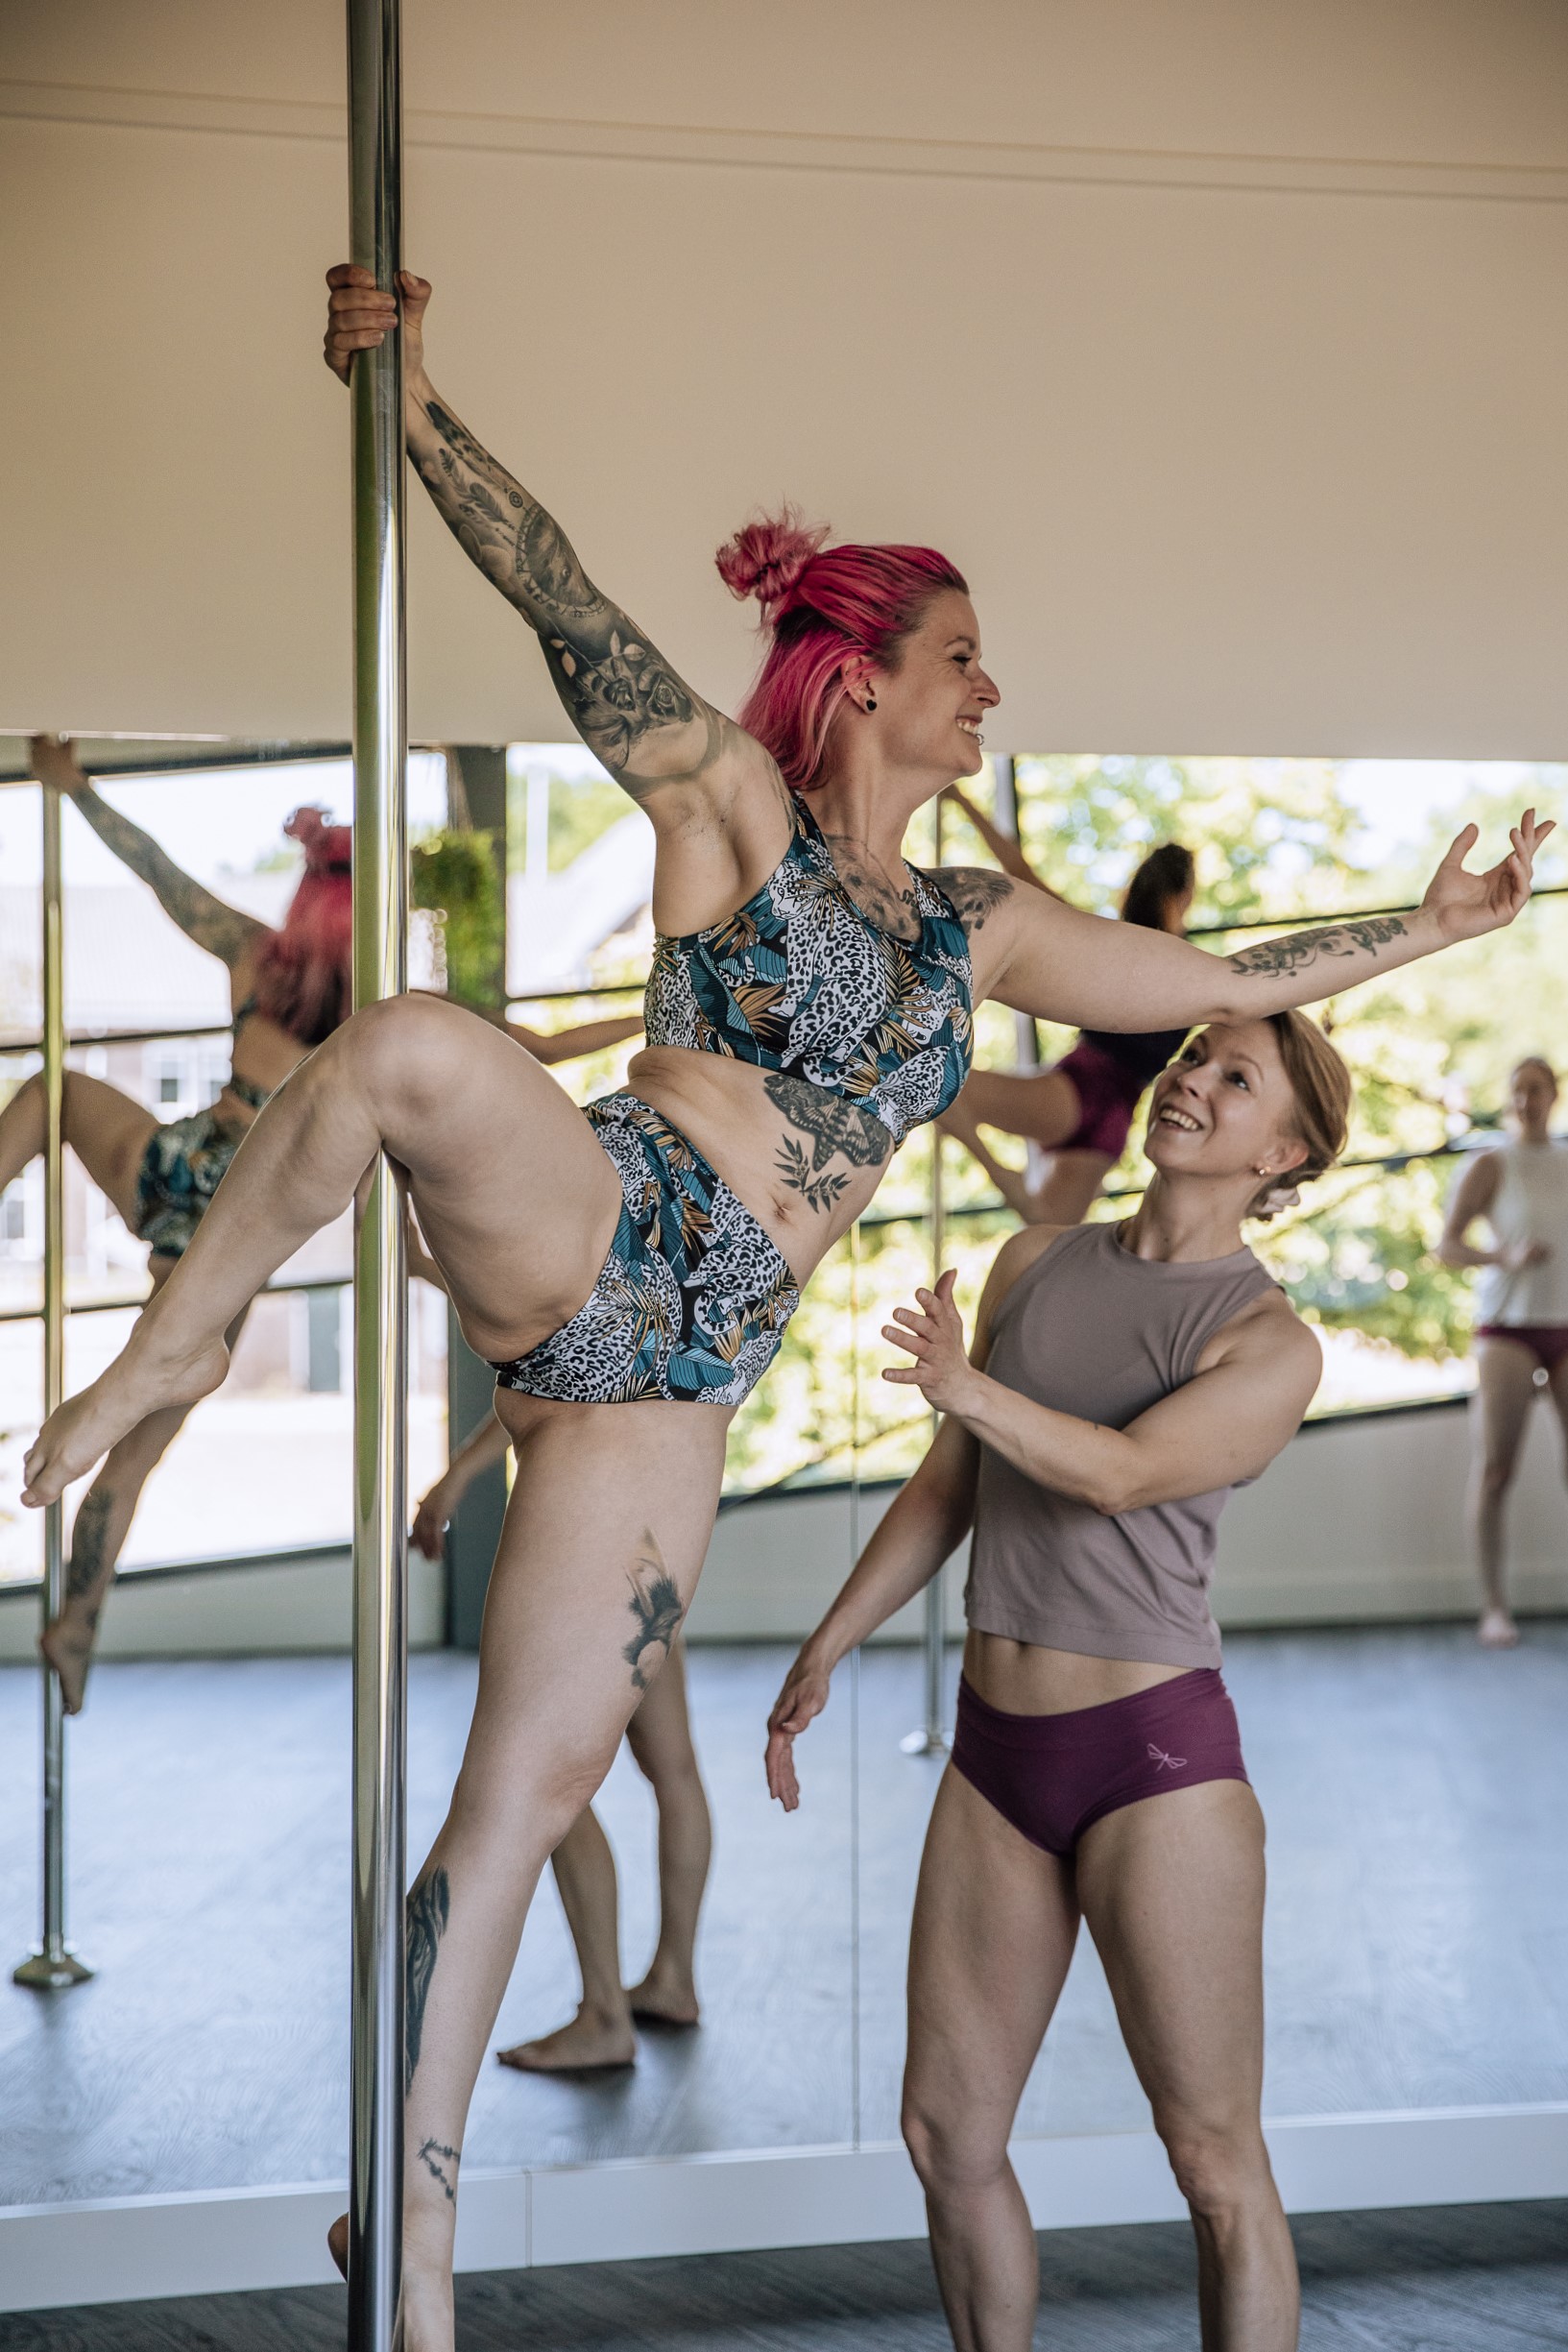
x=222 y=930
x=1297 y=951
x=619 y=692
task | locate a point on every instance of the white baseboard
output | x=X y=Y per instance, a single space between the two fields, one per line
x=127 y=2250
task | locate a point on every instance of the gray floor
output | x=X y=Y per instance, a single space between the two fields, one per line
x=1417 y=1940
x=1476 y=2278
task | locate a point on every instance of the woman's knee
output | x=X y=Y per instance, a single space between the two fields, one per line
x=1218 y=2168
x=401 y=1050
x=542 y=1793
x=950 y=2145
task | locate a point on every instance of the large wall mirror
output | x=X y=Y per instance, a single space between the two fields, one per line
x=1409 y=1775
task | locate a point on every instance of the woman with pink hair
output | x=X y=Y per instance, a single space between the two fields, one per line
x=629 y=1269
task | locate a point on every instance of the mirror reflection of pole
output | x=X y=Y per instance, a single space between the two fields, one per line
x=381 y=1522
x=54 y=1964
x=931 y=1739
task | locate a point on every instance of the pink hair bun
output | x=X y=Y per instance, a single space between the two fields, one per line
x=766 y=559
x=325 y=846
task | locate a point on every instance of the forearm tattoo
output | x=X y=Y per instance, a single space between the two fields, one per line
x=836 y=1129
x=89 y=1545
x=657 y=1605
x=976 y=892
x=425 y=1924
x=222 y=930
x=618 y=691
x=1298 y=951
x=436 y=2156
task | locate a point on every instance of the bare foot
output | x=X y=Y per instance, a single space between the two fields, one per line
x=67 y=1647
x=337 y=2243
x=664 y=2000
x=591 y=2041
x=80 y=1433
x=1497 y=1631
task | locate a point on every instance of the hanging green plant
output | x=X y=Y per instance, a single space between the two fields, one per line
x=454 y=876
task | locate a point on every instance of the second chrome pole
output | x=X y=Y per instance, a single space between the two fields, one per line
x=380 y=1656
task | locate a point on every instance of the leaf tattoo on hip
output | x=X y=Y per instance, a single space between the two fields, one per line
x=836 y=1129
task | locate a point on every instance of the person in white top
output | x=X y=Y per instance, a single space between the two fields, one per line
x=1521 y=1190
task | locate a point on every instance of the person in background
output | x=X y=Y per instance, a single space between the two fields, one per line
x=603 y=2033
x=1080 y=1111
x=1520 y=1190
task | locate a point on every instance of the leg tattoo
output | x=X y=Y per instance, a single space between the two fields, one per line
x=428 y=1906
x=88 y=1543
x=435 y=2157
x=657 y=1605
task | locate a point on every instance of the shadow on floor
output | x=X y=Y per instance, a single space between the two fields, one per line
x=1469 y=2278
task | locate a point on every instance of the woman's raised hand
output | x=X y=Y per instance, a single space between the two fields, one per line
x=53 y=762
x=1467 y=905
x=935 y=1338
x=802 y=1698
x=359 y=315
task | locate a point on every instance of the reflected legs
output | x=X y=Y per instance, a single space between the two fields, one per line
x=106 y=1130
x=1172 y=1892
x=602 y=2033
x=1504 y=1392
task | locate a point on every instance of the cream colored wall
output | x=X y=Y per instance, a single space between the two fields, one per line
x=1222 y=345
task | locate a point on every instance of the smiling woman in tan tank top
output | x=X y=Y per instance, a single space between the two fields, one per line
x=1124 y=1379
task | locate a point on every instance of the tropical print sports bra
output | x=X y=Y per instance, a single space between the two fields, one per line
x=800 y=980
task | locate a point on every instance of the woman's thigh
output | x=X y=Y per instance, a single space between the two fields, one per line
x=606 y=1530
x=109 y=1133
x=995 y=1923
x=1043 y=1105
x=1172 y=1893
x=1504 y=1392
x=1069 y=1190
x=515 y=1195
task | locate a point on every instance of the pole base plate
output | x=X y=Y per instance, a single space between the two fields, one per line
x=45 y=1972
x=924 y=1743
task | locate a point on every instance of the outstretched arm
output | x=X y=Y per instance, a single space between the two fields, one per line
x=222 y=930
x=550 y=1045
x=1046 y=958
x=654 y=732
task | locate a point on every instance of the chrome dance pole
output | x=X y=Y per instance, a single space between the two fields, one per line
x=54 y=1964
x=381 y=895
x=931 y=1739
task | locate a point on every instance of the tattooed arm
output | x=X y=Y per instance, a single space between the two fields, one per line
x=222 y=930
x=653 y=732
x=1048 y=959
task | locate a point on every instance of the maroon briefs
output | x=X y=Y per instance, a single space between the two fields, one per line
x=1548 y=1343
x=1107 y=1097
x=1054 y=1776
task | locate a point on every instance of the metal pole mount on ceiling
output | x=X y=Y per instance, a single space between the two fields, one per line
x=381 y=911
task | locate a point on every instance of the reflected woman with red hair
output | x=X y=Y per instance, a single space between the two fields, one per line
x=630 y=1269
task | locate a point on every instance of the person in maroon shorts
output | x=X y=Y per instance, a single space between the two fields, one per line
x=1080 y=1111
x=1124 y=1378
x=1521 y=1190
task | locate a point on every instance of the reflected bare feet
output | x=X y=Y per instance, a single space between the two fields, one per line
x=67 y=1646
x=337 y=2243
x=594 y=2039
x=1497 y=1631
x=141 y=1380
x=663 y=1998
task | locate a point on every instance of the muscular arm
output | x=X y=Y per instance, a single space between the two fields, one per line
x=1226 y=1423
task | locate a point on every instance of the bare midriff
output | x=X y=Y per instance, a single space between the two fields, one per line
x=772 y=1166
x=1021 y=1678
x=264 y=1056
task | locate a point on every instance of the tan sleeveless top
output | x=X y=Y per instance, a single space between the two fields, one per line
x=1092 y=1330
